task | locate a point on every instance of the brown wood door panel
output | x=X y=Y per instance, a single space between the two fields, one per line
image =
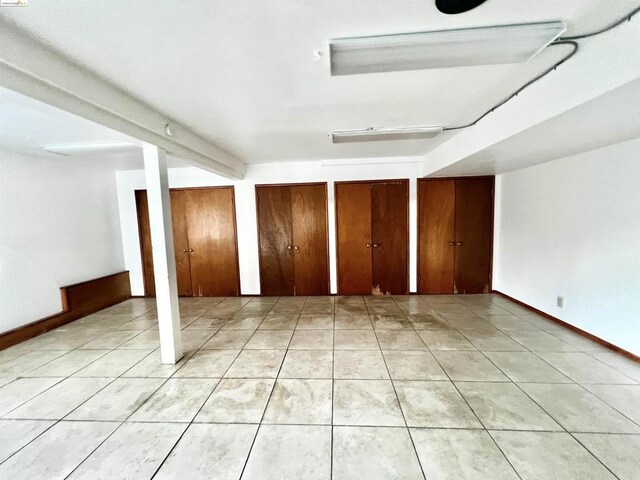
x=353 y=218
x=389 y=225
x=309 y=228
x=210 y=219
x=146 y=252
x=275 y=236
x=474 y=234
x=435 y=233
x=180 y=244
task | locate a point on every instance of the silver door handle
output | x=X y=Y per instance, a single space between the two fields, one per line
x=191 y=250
x=288 y=247
x=451 y=243
x=375 y=245
x=368 y=245
x=296 y=248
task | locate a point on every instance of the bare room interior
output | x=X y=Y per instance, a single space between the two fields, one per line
x=320 y=239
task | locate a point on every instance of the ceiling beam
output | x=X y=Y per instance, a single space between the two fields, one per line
x=602 y=64
x=31 y=68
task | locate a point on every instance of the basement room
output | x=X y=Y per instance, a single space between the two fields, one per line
x=320 y=239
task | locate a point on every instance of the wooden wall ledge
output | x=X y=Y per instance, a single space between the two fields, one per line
x=78 y=300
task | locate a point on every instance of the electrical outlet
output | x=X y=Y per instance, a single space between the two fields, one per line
x=560 y=301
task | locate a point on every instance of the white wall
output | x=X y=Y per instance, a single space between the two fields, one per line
x=58 y=226
x=571 y=227
x=289 y=172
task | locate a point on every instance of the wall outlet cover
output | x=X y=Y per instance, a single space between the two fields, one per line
x=560 y=301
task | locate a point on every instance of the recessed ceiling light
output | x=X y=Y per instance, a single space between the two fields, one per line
x=382 y=134
x=442 y=49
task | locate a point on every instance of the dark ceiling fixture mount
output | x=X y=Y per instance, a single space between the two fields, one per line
x=452 y=7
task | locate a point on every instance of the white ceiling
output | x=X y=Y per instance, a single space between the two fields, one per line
x=28 y=126
x=611 y=118
x=242 y=74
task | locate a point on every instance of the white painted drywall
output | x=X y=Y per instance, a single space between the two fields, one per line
x=58 y=226
x=571 y=227
x=285 y=172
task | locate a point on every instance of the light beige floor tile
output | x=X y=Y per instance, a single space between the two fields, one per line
x=269 y=340
x=353 y=322
x=539 y=341
x=209 y=451
x=27 y=362
x=445 y=340
x=237 y=401
x=207 y=323
x=469 y=366
x=256 y=364
x=624 y=365
x=109 y=340
x=624 y=398
x=577 y=410
x=133 y=451
x=539 y=455
x=22 y=390
x=526 y=367
x=503 y=406
x=413 y=365
x=359 y=364
x=113 y=364
x=118 y=400
x=390 y=322
x=366 y=402
x=492 y=341
x=374 y=453
x=178 y=400
x=279 y=322
x=315 y=322
x=307 y=364
x=296 y=401
x=59 y=400
x=452 y=454
x=67 y=364
x=229 y=340
x=399 y=340
x=151 y=366
x=618 y=452
x=147 y=340
x=15 y=434
x=582 y=368
x=290 y=452
x=243 y=323
x=434 y=404
x=207 y=364
x=356 y=340
x=312 y=339
x=55 y=453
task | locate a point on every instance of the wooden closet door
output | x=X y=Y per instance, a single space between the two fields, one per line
x=474 y=233
x=353 y=218
x=309 y=227
x=210 y=218
x=180 y=243
x=276 y=240
x=389 y=224
x=436 y=235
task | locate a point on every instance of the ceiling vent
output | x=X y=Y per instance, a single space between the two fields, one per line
x=442 y=49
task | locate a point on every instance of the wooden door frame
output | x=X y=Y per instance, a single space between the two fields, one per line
x=326 y=226
x=335 y=207
x=493 y=208
x=235 y=229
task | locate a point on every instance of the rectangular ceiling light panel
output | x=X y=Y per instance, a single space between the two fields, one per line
x=442 y=49
x=382 y=134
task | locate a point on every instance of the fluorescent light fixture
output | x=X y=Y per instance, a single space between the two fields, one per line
x=442 y=49
x=381 y=134
x=78 y=148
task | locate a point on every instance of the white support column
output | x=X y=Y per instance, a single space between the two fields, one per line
x=164 y=262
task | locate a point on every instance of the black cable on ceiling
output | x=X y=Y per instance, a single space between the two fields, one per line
x=560 y=41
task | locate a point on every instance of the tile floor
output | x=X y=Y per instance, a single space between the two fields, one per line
x=410 y=387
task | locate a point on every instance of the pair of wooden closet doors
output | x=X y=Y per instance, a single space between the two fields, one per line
x=204 y=238
x=455 y=234
x=292 y=229
x=372 y=227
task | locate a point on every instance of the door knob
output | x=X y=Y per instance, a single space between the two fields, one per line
x=451 y=243
x=458 y=243
x=288 y=247
x=368 y=245
x=375 y=245
x=296 y=248
x=184 y=250
x=191 y=250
